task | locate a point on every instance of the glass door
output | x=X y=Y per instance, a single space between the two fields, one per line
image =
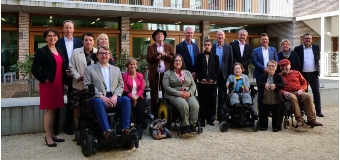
x=9 y=50
x=139 y=45
x=197 y=40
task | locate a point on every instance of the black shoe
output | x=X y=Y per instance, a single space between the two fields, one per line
x=192 y=128
x=140 y=133
x=186 y=129
x=202 y=124
x=59 y=140
x=263 y=129
x=51 y=145
x=319 y=114
x=68 y=131
x=211 y=123
x=275 y=130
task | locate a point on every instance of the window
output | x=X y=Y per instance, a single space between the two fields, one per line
x=9 y=49
x=168 y=26
x=234 y=28
x=8 y=19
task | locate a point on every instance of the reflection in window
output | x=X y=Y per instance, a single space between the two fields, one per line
x=83 y=22
x=232 y=28
x=9 y=50
x=168 y=26
x=139 y=46
x=9 y=19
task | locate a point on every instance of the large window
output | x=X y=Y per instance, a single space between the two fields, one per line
x=168 y=26
x=234 y=28
x=83 y=22
x=9 y=49
x=8 y=19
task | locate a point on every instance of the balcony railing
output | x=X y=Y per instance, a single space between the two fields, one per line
x=264 y=7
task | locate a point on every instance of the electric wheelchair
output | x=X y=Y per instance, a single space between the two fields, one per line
x=89 y=134
x=242 y=115
x=287 y=112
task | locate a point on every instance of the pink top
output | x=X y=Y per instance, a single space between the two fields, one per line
x=128 y=84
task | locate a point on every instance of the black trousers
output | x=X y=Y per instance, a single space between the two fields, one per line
x=276 y=115
x=138 y=111
x=221 y=85
x=206 y=101
x=69 y=112
x=313 y=80
x=154 y=92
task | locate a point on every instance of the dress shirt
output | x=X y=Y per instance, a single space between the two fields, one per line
x=69 y=46
x=308 y=58
x=219 y=52
x=191 y=51
x=265 y=54
x=106 y=75
x=241 y=47
x=161 y=65
x=134 y=87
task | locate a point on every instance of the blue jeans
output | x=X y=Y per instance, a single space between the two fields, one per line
x=124 y=105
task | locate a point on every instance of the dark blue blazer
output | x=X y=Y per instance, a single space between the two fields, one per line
x=183 y=50
x=316 y=52
x=258 y=60
x=246 y=58
x=227 y=59
x=77 y=43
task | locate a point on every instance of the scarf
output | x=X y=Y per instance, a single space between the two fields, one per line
x=180 y=75
x=286 y=55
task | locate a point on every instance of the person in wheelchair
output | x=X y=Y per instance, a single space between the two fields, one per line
x=109 y=86
x=180 y=87
x=295 y=85
x=134 y=88
x=241 y=86
x=271 y=84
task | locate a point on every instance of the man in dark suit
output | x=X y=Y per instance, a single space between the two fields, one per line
x=309 y=59
x=68 y=43
x=242 y=52
x=225 y=56
x=188 y=50
x=159 y=56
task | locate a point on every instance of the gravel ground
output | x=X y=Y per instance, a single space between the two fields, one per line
x=237 y=143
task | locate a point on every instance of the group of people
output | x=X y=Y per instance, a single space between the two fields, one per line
x=70 y=65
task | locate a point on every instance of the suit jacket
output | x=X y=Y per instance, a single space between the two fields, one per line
x=44 y=64
x=227 y=59
x=246 y=58
x=77 y=66
x=128 y=84
x=183 y=50
x=294 y=61
x=93 y=75
x=279 y=84
x=172 y=86
x=151 y=55
x=258 y=60
x=316 y=52
x=213 y=67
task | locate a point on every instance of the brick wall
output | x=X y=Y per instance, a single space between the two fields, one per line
x=308 y=7
x=125 y=31
x=205 y=31
x=23 y=28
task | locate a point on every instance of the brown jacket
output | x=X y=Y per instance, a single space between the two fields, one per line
x=151 y=58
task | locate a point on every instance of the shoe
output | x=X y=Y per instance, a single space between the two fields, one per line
x=129 y=135
x=275 y=130
x=68 y=131
x=314 y=123
x=299 y=124
x=319 y=114
x=202 y=124
x=192 y=128
x=51 y=145
x=263 y=129
x=58 y=140
x=109 y=134
x=237 y=105
x=186 y=129
x=211 y=123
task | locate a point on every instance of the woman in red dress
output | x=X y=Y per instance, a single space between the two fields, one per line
x=49 y=68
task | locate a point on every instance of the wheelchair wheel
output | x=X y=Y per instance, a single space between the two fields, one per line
x=256 y=126
x=164 y=112
x=78 y=137
x=86 y=143
x=224 y=126
x=304 y=116
x=286 y=123
x=129 y=145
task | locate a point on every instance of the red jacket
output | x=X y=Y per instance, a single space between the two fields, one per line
x=293 y=82
x=128 y=84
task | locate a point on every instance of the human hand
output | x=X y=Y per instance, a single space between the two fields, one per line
x=80 y=78
x=68 y=73
x=267 y=86
x=159 y=57
x=299 y=92
x=106 y=100
x=204 y=81
x=265 y=70
x=193 y=75
x=287 y=95
x=211 y=81
x=162 y=53
x=247 y=89
x=272 y=86
x=113 y=100
x=134 y=102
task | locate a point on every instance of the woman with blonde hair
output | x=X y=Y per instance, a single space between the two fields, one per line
x=103 y=40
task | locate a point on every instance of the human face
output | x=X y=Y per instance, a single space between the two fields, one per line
x=189 y=33
x=285 y=68
x=51 y=38
x=237 y=70
x=103 y=41
x=264 y=41
x=285 y=46
x=307 y=40
x=207 y=46
x=159 y=36
x=242 y=36
x=68 y=29
x=271 y=68
x=88 y=42
x=220 y=37
x=178 y=63
x=103 y=56
x=132 y=67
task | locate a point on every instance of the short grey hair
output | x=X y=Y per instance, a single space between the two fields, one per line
x=284 y=40
x=243 y=30
x=68 y=21
x=220 y=31
x=185 y=30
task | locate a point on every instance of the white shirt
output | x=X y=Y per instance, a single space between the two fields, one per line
x=161 y=65
x=106 y=75
x=308 y=59
x=265 y=54
x=134 y=87
x=241 y=47
x=69 y=46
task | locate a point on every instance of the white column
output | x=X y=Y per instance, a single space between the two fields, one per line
x=325 y=46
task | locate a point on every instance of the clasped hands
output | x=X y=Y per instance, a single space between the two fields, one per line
x=160 y=55
x=269 y=86
x=204 y=81
x=111 y=102
x=184 y=94
x=134 y=100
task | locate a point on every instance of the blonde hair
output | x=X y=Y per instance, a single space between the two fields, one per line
x=284 y=40
x=101 y=36
x=129 y=60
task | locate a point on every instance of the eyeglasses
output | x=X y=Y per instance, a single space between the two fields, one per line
x=50 y=36
x=271 y=66
x=307 y=38
x=178 y=61
x=104 y=53
x=207 y=44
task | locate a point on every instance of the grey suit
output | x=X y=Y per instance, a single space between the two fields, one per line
x=172 y=86
x=93 y=75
